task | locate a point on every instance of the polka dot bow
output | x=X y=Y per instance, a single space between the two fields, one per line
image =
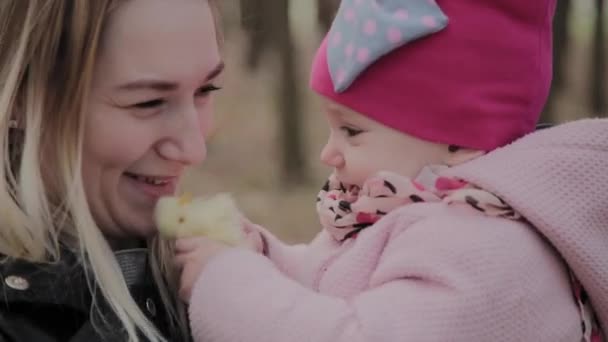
x=365 y=30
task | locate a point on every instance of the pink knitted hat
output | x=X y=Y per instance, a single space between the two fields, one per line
x=465 y=72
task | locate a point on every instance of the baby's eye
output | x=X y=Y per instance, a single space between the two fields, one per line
x=351 y=132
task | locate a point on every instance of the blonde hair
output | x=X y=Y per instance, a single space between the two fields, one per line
x=48 y=50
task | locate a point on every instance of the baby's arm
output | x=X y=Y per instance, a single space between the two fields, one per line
x=219 y=218
x=427 y=287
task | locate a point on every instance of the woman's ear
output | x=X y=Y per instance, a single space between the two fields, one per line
x=17 y=118
x=459 y=156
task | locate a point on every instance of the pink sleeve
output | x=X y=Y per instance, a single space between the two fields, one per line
x=430 y=285
x=284 y=256
x=288 y=258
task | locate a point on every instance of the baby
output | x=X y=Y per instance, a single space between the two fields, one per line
x=447 y=217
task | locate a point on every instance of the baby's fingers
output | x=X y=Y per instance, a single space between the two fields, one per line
x=189 y=244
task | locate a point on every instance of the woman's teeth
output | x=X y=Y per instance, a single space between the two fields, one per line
x=149 y=180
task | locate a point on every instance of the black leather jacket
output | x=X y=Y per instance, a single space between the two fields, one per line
x=52 y=303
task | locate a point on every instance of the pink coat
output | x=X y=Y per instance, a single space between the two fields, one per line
x=433 y=272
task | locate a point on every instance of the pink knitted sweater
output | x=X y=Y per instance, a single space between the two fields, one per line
x=433 y=272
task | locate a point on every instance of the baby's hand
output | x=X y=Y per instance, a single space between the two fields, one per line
x=254 y=237
x=192 y=254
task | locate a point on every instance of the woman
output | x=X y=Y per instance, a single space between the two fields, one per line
x=102 y=106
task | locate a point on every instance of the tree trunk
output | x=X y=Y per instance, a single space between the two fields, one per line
x=326 y=10
x=561 y=41
x=598 y=63
x=560 y=47
x=255 y=22
x=294 y=168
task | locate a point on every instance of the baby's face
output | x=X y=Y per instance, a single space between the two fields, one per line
x=358 y=147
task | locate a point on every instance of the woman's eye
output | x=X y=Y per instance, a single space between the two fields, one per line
x=149 y=104
x=351 y=132
x=206 y=90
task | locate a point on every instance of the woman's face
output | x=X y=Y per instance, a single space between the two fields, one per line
x=150 y=109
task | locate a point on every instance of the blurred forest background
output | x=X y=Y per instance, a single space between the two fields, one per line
x=268 y=128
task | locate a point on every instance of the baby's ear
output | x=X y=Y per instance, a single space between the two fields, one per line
x=462 y=155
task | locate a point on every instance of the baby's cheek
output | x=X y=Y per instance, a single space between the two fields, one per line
x=366 y=168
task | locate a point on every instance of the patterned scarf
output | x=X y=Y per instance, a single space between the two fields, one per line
x=345 y=210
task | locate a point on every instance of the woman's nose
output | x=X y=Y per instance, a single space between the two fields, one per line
x=187 y=143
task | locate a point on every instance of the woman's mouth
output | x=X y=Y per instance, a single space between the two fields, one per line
x=153 y=186
x=152 y=180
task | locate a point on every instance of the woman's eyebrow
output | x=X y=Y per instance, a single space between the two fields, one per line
x=161 y=85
